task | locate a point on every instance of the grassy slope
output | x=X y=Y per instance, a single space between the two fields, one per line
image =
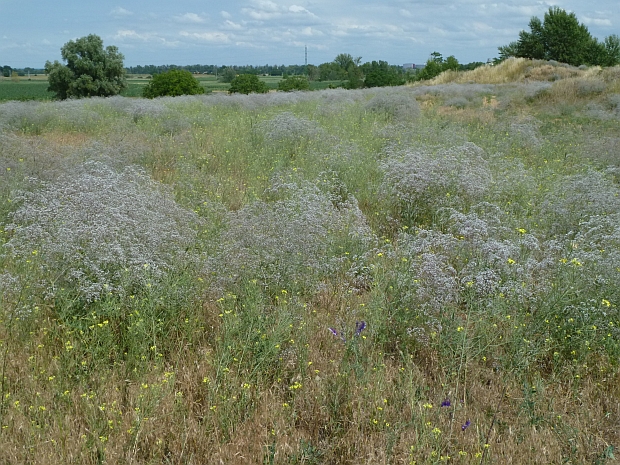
x=195 y=366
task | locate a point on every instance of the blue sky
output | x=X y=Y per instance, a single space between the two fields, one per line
x=256 y=32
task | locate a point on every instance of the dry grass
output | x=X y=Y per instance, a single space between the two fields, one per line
x=73 y=394
x=515 y=70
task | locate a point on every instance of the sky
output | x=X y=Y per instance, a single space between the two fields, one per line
x=278 y=32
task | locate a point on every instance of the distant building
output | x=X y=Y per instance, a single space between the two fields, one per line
x=410 y=66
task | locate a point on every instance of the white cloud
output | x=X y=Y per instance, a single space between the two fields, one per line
x=310 y=32
x=228 y=24
x=266 y=5
x=119 y=12
x=260 y=15
x=596 y=21
x=301 y=9
x=192 y=18
x=225 y=14
x=131 y=35
x=212 y=36
x=250 y=45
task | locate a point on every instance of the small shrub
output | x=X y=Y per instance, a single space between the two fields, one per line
x=396 y=104
x=421 y=181
x=577 y=198
x=290 y=134
x=588 y=87
x=457 y=102
x=299 y=237
x=97 y=231
x=292 y=83
x=247 y=84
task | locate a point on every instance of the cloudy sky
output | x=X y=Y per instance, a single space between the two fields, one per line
x=240 y=32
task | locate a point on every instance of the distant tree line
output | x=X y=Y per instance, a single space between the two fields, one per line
x=270 y=70
x=7 y=71
x=347 y=69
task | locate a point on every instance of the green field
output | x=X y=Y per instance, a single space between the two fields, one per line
x=24 y=89
x=423 y=274
x=36 y=87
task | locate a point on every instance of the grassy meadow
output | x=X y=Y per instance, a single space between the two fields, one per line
x=414 y=275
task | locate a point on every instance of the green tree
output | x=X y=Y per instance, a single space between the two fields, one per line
x=228 y=74
x=437 y=65
x=611 y=55
x=451 y=63
x=532 y=43
x=6 y=71
x=332 y=72
x=294 y=83
x=564 y=38
x=90 y=70
x=380 y=74
x=561 y=37
x=172 y=83
x=346 y=60
x=247 y=84
x=313 y=73
x=349 y=69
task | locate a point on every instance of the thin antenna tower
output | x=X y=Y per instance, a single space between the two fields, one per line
x=306 y=47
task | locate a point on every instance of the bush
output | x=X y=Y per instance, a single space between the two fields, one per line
x=99 y=231
x=173 y=83
x=294 y=83
x=421 y=181
x=396 y=104
x=247 y=84
x=300 y=235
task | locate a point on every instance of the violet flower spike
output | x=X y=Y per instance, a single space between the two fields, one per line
x=359 y=327
x=446 y=403
x=466 y=425
x=337 y=334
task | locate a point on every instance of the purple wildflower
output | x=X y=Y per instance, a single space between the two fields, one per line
x=446 y=403
x=359 y=327
x=466 y=425
x=338 y=334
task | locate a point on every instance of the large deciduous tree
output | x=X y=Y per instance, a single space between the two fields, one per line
x=561 y=37
x=90 y=70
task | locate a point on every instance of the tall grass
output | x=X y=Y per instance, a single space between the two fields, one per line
x=421 y=274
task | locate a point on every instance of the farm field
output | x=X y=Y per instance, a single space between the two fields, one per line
x=35 y=88
x=408 y=275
